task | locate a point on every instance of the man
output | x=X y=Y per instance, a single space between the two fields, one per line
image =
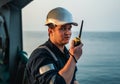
x=52 y=63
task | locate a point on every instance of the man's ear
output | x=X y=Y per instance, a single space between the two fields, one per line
x=50 y=30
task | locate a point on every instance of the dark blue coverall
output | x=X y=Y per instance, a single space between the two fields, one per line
x=43 y=69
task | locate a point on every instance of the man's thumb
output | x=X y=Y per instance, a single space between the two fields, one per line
x=72 y=44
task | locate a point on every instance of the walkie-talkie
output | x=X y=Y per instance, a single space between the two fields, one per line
x=77 y=40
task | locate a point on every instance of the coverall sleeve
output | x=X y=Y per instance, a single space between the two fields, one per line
x=44 y=69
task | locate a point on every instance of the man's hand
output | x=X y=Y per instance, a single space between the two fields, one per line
x=76 y=50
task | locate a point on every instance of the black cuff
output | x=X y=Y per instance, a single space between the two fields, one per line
x=73 y=57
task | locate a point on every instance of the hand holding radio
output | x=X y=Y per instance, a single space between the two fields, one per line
x=76 y=46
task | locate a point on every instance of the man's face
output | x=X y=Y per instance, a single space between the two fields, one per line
x=61 y=34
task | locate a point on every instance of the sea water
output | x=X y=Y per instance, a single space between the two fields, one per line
x=100 y=61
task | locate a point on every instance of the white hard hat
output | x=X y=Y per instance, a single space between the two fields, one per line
x=59 y=16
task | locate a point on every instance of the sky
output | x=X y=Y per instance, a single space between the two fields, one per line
x=98 y=15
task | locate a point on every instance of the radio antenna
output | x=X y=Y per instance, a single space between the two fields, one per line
x=81 y=29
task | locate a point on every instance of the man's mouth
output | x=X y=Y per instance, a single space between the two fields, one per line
x=67 y=37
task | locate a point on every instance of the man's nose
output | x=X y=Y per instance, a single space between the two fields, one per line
x=68 y=31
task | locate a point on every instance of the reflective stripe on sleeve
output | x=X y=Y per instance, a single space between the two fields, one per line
x=46 y=68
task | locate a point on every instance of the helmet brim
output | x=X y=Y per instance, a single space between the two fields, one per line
x=57 y=22
x=73 y=23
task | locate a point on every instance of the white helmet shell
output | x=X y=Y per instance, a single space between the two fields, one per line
x=59 y=16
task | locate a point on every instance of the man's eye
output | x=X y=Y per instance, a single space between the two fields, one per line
x=69 y=28
x=63 y=28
